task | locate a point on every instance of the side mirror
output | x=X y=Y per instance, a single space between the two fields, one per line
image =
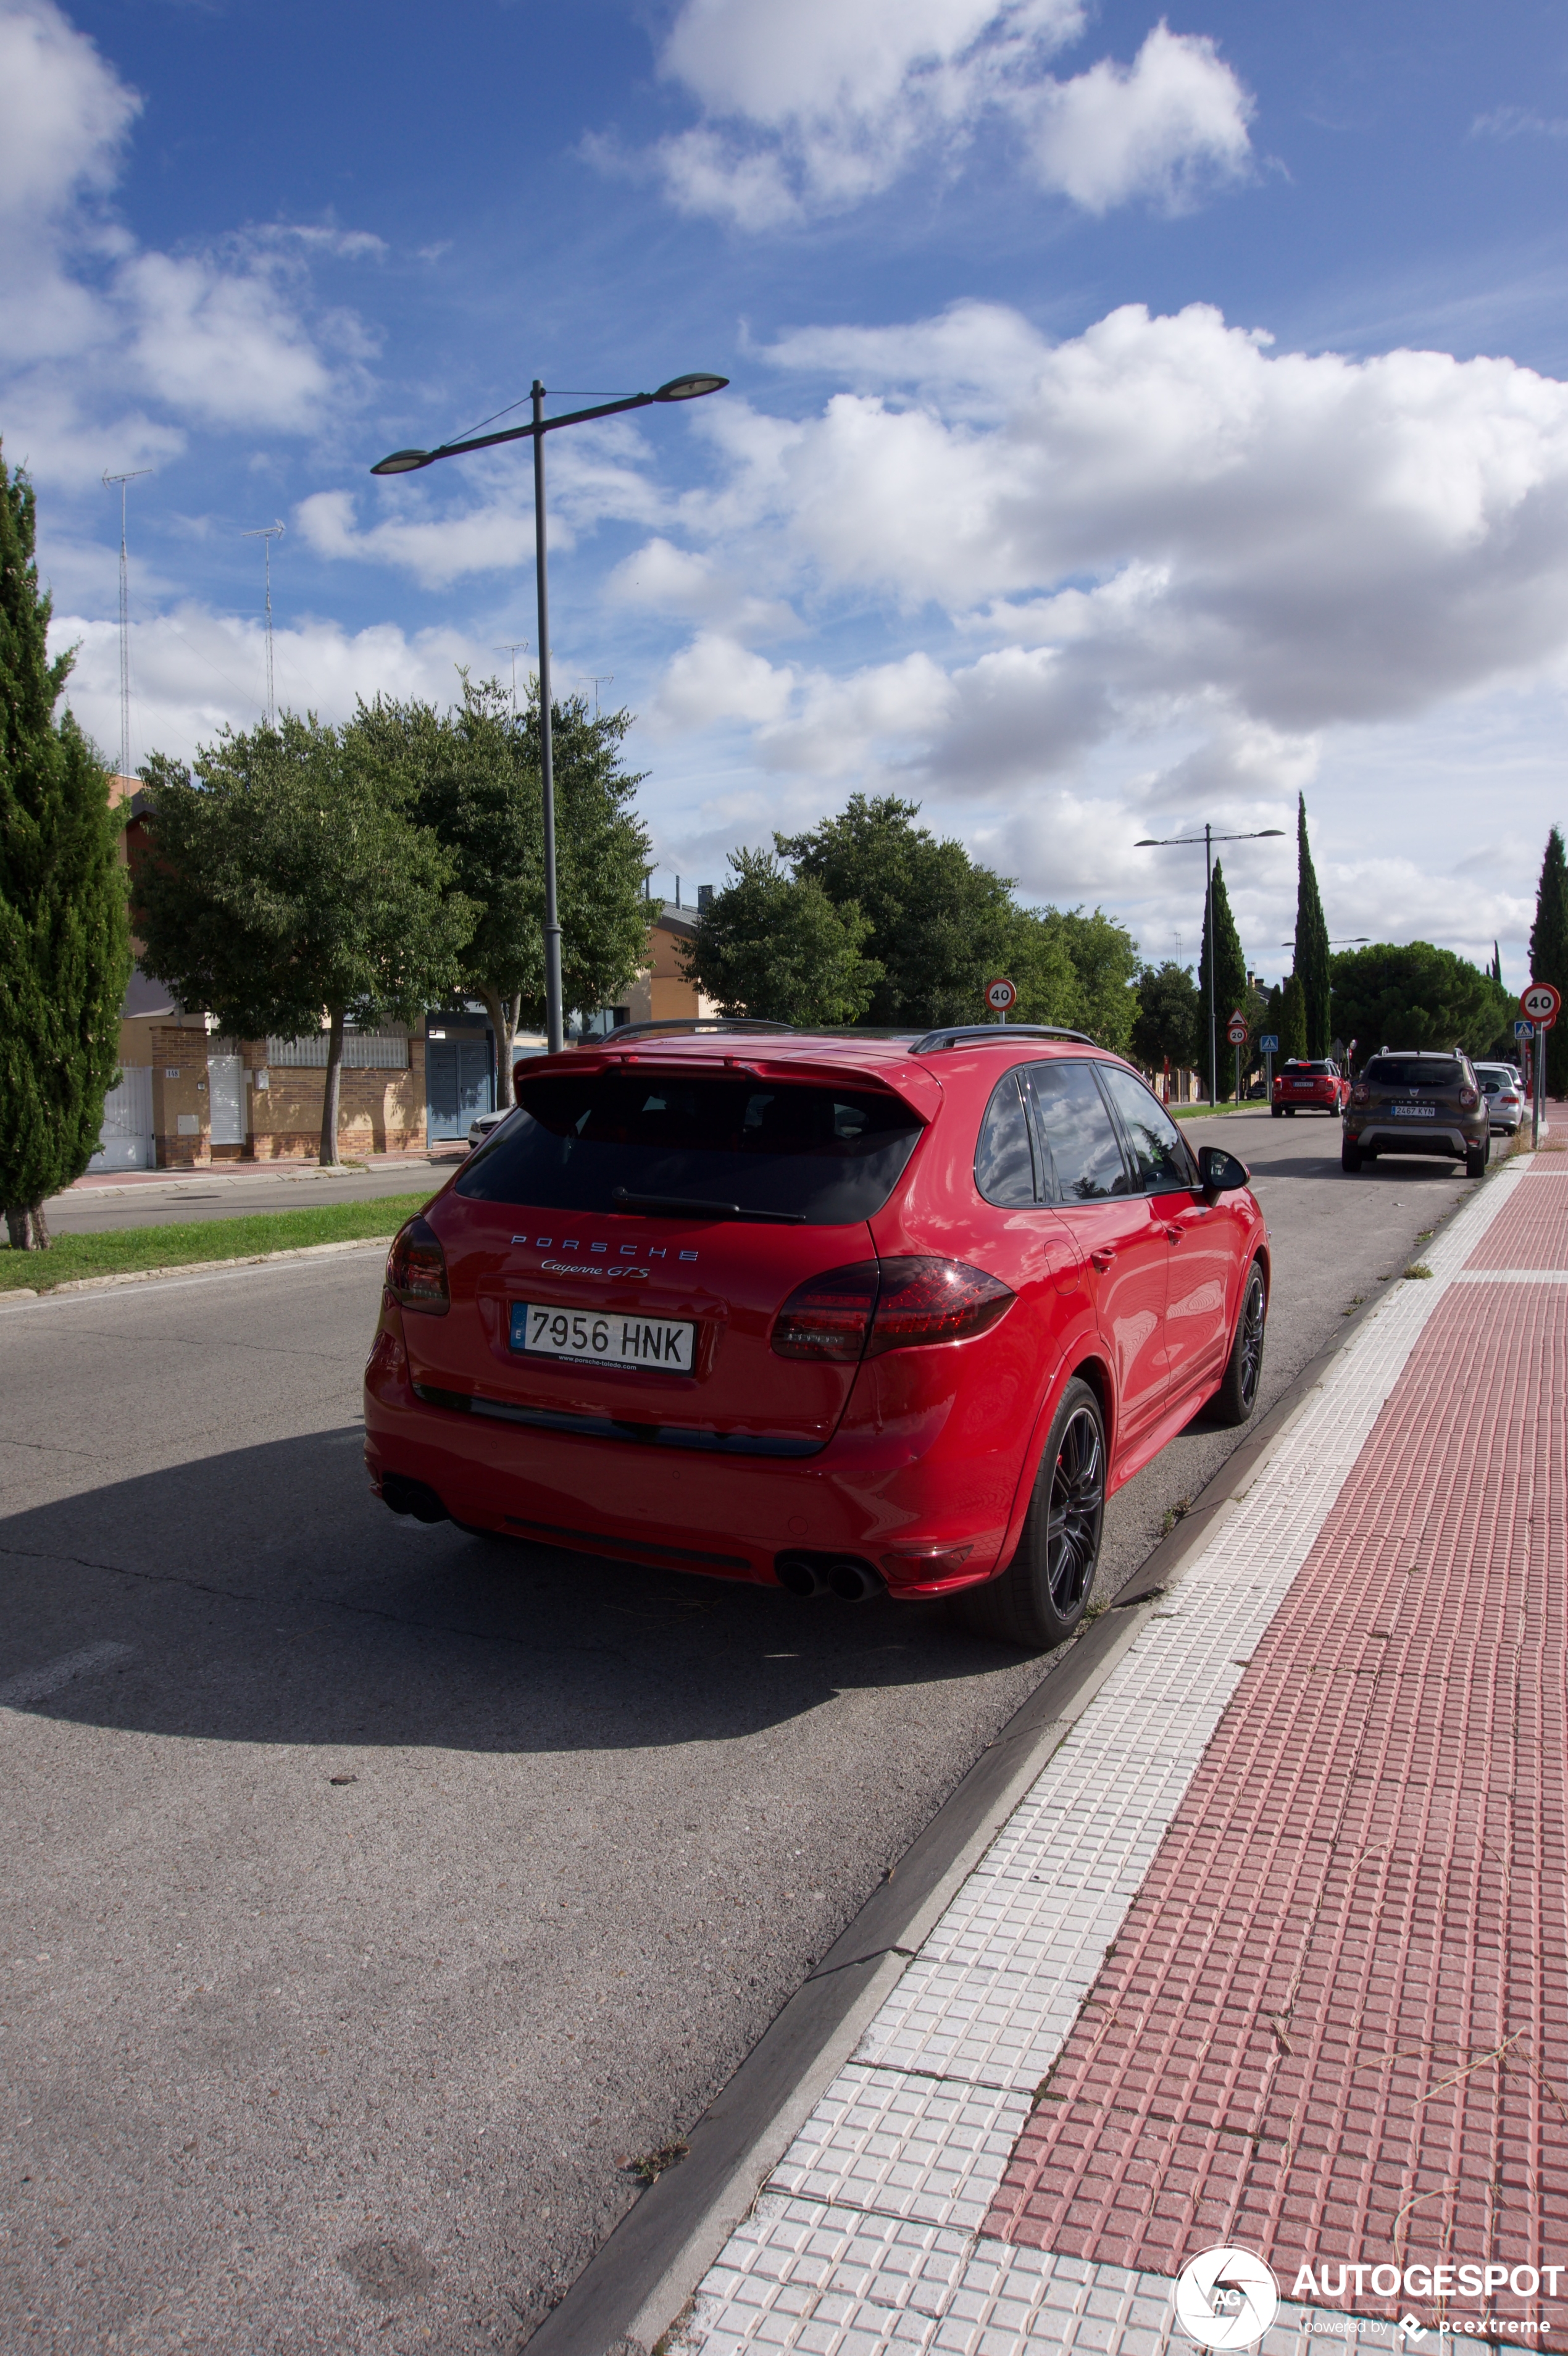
x=1220 y=1173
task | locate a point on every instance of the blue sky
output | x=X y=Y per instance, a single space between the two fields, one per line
x=1135 y=418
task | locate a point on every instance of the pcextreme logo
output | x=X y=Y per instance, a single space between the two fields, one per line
x=1226 y=2297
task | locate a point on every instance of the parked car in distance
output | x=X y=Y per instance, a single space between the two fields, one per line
x=1504 y=1091
x=483 y=1124
x=1425 y=1101
x=1309 y=1087
x=842 y=1315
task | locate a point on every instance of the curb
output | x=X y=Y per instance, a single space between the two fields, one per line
x=191 y=1267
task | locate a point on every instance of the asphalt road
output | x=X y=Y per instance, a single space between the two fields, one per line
x=374 y=1897
x=152 y=1202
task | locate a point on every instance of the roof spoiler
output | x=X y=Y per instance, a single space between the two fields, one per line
x=995 y=1035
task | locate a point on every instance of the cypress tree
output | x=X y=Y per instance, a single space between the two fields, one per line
x=65 y=954
x=1548 y=954
x=1229 y=984
x=1311 y=940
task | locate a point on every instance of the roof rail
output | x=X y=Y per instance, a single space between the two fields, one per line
x=680 y=1023
x=995 y=1035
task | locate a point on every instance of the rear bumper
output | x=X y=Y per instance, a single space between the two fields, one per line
x=1438 y=1138
x=872 y=1497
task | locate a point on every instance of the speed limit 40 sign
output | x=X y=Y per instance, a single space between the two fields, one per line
x=1541 y=1003
x=1000 y=996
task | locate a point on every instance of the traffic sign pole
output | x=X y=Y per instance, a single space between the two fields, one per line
x=1541 y=1004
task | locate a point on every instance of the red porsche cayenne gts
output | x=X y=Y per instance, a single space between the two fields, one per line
x=841 y=1312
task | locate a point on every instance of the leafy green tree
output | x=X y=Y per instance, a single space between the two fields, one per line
x=287 y=881
x=941 y=926
x=1103 y=959
x=1413 y=995
x=1165 y=1028
x=1229 y=984
x=1036 y=960
x=65 y=953
x=1311 y=941
x=774 y=945
x=471 y=775
x=1548 y=954
x=1293 y=1020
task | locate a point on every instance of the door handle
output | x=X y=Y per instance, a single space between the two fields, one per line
x=1174 y=1235
x=1101 y=1258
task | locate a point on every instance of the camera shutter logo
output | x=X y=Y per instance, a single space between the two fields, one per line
x=1226 y=2299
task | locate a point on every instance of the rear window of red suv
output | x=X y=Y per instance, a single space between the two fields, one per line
x=612 y=1142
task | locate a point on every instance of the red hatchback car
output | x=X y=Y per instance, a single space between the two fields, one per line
x=1310 y=1087
x=844 y=1312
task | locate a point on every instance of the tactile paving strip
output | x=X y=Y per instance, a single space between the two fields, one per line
x=987 y=2004
x=1529 y=1233
x=1337 y=2019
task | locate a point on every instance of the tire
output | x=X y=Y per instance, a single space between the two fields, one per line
x=1041 y=1597
x=1350 y=1157
x=1278 y=1111
x=1238 y=1393
x=1477 y=1159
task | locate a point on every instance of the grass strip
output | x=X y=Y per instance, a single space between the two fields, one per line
x=121 y=1251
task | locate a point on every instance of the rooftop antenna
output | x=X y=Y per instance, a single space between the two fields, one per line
x=124 y=620
x=269 y=533
x=605 y=678
x=513 y=646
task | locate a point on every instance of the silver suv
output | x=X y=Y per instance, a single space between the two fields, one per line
x=1418 y=1101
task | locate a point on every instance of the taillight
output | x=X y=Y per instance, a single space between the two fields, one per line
x=416 y=1268
x=1360 y=1093
x=830 y=1316
x=891 y=1304
x=1469 y=1099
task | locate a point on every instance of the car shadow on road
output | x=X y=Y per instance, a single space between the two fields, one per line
x=265 y=1595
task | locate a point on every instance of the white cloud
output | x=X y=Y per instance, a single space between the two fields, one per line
x=1162 y=127
x=64 y=113
x=193 y=671
x=101 y=344
x=817 y=106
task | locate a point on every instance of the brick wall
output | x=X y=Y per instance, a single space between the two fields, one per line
x=378 y=1111
x=181 y=1125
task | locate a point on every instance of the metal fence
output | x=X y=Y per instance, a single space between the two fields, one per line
x=362 y=1051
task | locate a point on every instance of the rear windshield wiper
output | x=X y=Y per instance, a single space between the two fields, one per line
x=687 y=1205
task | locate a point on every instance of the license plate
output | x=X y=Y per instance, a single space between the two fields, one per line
x=601 y=1337
x=1414 y=1112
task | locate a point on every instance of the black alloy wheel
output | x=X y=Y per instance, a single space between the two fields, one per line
x=1074 y=1516
x=1238 y=1393
x=1041 y=1597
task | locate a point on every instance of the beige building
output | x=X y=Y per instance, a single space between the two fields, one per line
x=187 y=1096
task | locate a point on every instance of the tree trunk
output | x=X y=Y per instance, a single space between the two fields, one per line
x=41 y=1239
x=503 y=1014
x=332 y=1090
x=17 y=1228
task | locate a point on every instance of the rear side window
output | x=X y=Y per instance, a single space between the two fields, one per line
x=1077 y=1131
x=1004 y=1159
x=826 y=1155
x=1413 y=1072
x=1160 y=1155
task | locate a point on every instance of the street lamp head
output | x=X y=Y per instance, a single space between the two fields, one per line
x=690 y=388
x=1264 y=832
x=404 y=462
x=1147 y=842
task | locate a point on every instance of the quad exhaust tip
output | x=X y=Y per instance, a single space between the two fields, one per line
x=415 y=1497
x=843 y=1575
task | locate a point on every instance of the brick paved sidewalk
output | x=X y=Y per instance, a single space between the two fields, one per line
x=1276 y=1953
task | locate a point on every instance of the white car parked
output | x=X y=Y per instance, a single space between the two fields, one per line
x=1504 y=1092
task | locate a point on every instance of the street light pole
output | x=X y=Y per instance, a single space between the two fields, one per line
x=1209 y=839
x=555 y=1014
x=409 y=462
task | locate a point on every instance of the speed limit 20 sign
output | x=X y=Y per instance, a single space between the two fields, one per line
x=1541 y=1003
x=1236 y=1030
x=1000 y=996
